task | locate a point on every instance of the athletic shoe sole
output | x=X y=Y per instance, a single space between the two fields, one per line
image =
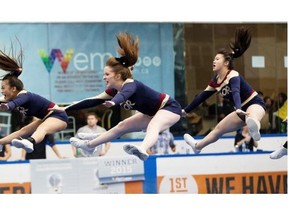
x=191 y=142
x=19 y=144
x=278 y=153
x=253 y=129
x=133 y=150
x=78 y=143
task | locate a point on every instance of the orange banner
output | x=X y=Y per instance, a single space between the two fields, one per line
x=234 y=183
x=15 y=188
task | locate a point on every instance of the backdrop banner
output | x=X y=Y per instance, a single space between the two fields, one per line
x=64 y=61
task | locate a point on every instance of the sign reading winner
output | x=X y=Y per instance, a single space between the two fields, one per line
x=120 y=169
x=85 y=175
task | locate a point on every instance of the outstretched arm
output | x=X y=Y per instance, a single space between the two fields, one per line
x=199 y=99
x=85 y=103
x=92 y=101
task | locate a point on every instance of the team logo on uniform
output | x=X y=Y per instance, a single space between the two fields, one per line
x=127 y=105
x=22 y=110
x=225 y=90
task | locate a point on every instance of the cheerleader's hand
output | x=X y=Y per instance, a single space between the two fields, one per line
x=4 y=107
x=241 y=112
x=56 y=108
x=108 y=103
x=184 y=114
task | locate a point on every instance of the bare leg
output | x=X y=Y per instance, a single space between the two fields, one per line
x=161 y=121
x=25 y=131
x=137 y=122
x=230 y=123
x=255 y=114
x=49 y=126
x=256 y=111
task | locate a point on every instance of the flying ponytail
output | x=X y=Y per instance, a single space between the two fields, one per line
x=239 y=46
x=11 y=64
x=242 y=41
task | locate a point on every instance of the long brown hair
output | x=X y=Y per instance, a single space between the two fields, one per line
x=12 y=63
x=239 y=46
x=13 y=66
x=128 y=50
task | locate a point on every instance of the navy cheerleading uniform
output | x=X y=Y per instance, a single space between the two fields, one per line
x=134 y=95
x=30 y=104
x=234 y=88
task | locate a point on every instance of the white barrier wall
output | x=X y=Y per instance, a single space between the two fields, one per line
x=222 y=145
x=221 y=173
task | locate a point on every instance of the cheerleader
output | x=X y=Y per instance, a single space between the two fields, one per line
x=29 y=104
x=155 y=111
x=249 y=107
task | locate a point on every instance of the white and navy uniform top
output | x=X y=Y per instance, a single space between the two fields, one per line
x=233 y=87
x=31 y=104
x=134 y=95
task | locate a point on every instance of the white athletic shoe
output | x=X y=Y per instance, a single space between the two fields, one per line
x=24 y=143
x=136 y=150
x=191 y=142
x=87 y=136
x=278 y=153
x=83 y=144
x=1 y=148
x=254 y=127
